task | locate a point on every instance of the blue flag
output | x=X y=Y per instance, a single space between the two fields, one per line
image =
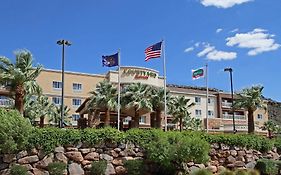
x=110 y=60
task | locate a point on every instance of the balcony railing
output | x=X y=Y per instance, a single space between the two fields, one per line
x=237 y=117
x=6 y=103
x=226 y=104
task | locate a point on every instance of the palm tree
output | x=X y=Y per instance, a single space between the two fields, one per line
x=250 y=99
x=103 y=98
x=179 y=109
x=271 y=127
x=38 y=107
x=194 y=124
x=20 y=76
x=136 y=97
x=158 y=104
x=55 y=115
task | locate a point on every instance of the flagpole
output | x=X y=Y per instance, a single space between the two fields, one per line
x=165 y=94
x=207 y=98
x=119 y=89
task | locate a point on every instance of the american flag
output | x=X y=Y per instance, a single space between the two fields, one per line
x=153 y=51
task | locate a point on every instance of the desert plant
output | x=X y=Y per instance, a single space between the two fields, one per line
x=134 y=167
x=227 y=172
x=241 y=172
x=56 y=168
x=98 y=167
x=18 y=170
x=14 y=131
x=267 y=166
x=201 y=172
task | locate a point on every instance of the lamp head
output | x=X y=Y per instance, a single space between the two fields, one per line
x=228 y=69
x=63 y=42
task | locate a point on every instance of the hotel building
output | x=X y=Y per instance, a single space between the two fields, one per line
x=78 y=85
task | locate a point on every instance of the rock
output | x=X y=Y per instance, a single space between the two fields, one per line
x=86 y=162
x=29 y=159
x=250 y=151
x=122 y=154
x=127 y=158
x=122 y=146
x=212 y=152
x=118 y=150
x=224 y=147
x=75 y=155
x=201 y=166
x=215 y=146
x=230 y=159
x=275 y=156
x=240 y=158
x=71 y=149
x=61 y=157
x=85 y=151
x=92 y=149
x=33 y=151
x=221 y=169
x=41 y=154
x=92 y=156
x=241 y=153
x=213 y=169
x=192 y=169
x=40 y=172
x=88 y=167
x=249 y=159
x=140 y=154
x=29 y=173
x=43 y=164
x=100 y=151
x=117 y=162
x=106 y=157
x=239 y=164
x=8 y=158
x=22 y=154
x=59 y=149
x=222 y=160
x=130 y=152
x=113 y=154
x=111 y=145
x=5 y=172
x=3 y=166
x=110 y=169
x=120 y=170
x=230 y=166
x=251 y=165
x=233 y=153
x=75 y=169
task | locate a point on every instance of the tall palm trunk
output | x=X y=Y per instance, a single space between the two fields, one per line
x=107 y=118
x=90 y=119
x=41 y=124
x=19 y=98
x=251 y=124
x=152 y=120
x=158 y=119
x=180 y=124
x=136 y=120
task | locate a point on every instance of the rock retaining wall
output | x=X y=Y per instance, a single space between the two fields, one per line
x=79 y=160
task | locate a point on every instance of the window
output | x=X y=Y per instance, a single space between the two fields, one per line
x=75 y=117
x=76 y=102
x=197 y=100
x=77 y=87
x=210 y=113
x=57 y=85
x=198 y=112
x=56 y=100
x=142 y=119
x=259 y=117
x=126 y=120
x=210 y=101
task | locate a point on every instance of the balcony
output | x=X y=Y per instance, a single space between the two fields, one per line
x=226 y=104
x=236 y=117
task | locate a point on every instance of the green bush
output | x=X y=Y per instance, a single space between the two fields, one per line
x=134 y=167
x=202 y=172
x=56 y=168
x=18 y=170
x=227 y=172
x=241 y=172
x=98 y=167
x=267 y=166
x=14 y=131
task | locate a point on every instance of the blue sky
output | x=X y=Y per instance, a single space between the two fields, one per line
x=242 y=34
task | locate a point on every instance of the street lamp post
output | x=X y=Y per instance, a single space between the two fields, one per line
x=63 y=43
x=229 y=69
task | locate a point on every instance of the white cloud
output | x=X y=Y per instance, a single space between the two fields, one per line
x=189 y=49
x=223 y=3
x=258 y=41
x=218 y=30
x=197 y=44
x=216 y=55
x=234 y=30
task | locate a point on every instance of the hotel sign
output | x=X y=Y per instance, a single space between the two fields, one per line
x=139 y=74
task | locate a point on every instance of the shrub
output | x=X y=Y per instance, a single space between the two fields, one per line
x=253 y=172
x=14 y=131
x=241 y=172
x=227 y=172
x=202 y=172
x=134 y=167
x=98 y=167
x=18 y=169
x=56 y=168
x=267 y=166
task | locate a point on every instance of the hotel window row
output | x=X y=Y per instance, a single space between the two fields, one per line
x=198 y=100
x=77 y=87
x=76 y=102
